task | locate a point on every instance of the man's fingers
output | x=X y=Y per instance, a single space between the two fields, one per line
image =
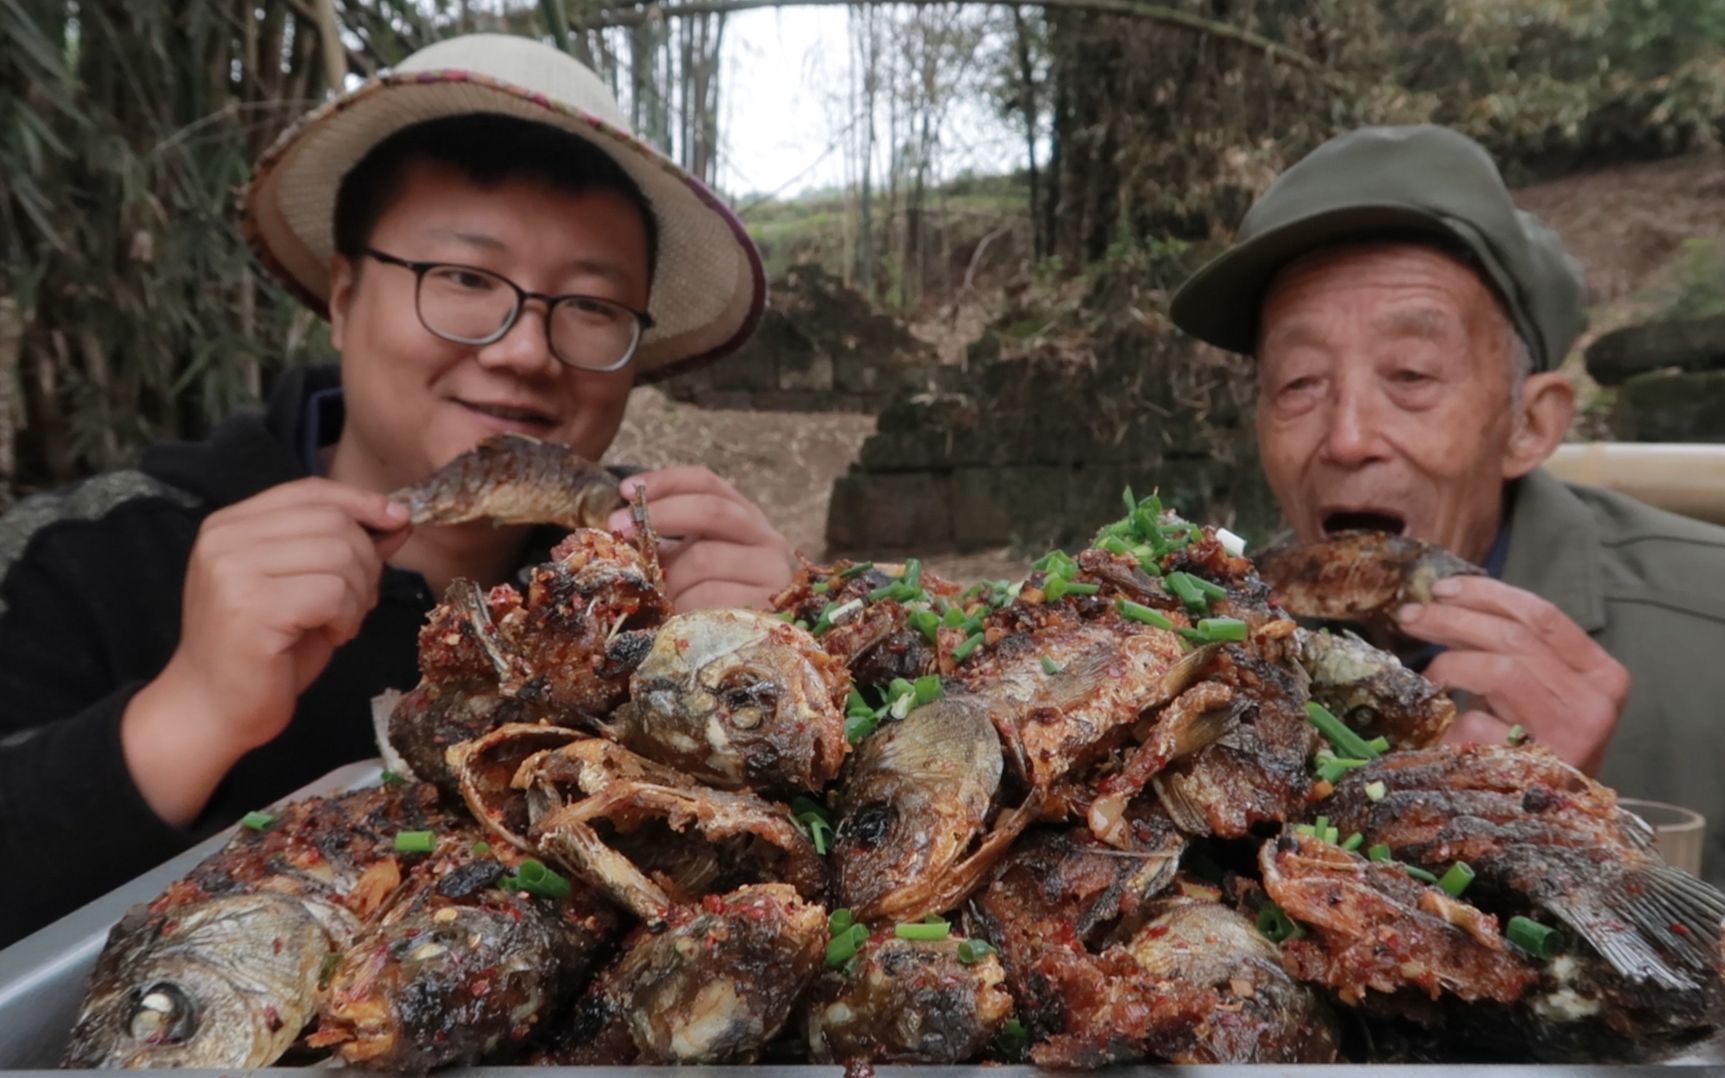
x=720 y=562
x=371 y=510
x=1538 y=616
x=688 y=479
x=1563 y=712
x=1476 y=728
x=709 y=516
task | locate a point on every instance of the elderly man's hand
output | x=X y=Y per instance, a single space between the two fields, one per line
x=719 y=549
x=1524 y=662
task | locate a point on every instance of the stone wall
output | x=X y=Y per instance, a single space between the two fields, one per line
x=1038 y=448
x=821 y=347
x=1669 y=378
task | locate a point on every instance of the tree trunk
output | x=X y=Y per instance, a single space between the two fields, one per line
x=1027 y=106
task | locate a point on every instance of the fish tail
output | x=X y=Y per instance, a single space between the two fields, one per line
x=1652 y=922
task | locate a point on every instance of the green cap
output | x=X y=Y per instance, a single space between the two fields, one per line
x=1382 y=183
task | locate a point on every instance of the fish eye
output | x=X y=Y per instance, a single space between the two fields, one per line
x=743 y=692
x=162 y=1014
x=868 y=827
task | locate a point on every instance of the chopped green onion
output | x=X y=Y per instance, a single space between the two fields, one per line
x=1541 y=941
x=820 y=587
x=1192 y=636
x=1346 y=742
x=257 y=821
x=1332 y=768
x=1013 y=1038
x=1049 y=666
x=1222 y=628
x=1233 y=544
x=1517 y=735
x=1210 y=588
x=1420 y=874
x=843 y=947
x=923 y=931
x=786 y=615
x=855 y=703
x=962 y=651
x=840 y=920
x=390 y=778
x=859 y=727
x=1131 y=502
x=1113 y=544
x=1379 y=852
x=973 y=951
x=801 y=624
x=1455 y=881
x=535 y=879
x=1276 y=926
x=927 y=689
x=913 y=572
x=1141 y=613
x=1184 y=585
x=482 y=849
x=1379 y=745
x=1353 y=842
x=1059 y=587
x=415 y=841
x=814 y=822
x=953 y=618
x=926 y=622
x=858 y=569
x=1375 y=791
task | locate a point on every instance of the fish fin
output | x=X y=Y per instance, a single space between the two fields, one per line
x=1204 y=728
x=1652 y=922
x=1077 y=680
x=1186 y=813
x=1188 y=670
x=469 y=599
x=579 y=848
x=646 y=541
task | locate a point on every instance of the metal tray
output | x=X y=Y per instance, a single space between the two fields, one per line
x=42 y=980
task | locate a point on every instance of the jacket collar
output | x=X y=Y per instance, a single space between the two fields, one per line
x=1554 y=549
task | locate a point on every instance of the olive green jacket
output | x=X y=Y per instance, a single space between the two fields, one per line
x=1650 y=587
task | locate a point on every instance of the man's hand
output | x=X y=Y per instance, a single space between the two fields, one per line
x=1525 y=662
x=275 y=584
x=720 y=550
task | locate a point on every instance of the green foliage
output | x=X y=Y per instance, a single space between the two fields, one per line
x=1698 y=277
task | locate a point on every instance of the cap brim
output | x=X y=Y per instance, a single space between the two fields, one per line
x=709 y=289
x=1220 y=303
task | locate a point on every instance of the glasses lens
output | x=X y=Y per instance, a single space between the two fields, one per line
x=465 y=304
x=593 y=333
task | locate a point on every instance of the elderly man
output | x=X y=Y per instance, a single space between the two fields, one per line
x=1408 y=322
x=200 y=636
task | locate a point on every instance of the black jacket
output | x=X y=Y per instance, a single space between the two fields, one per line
x=90 y=583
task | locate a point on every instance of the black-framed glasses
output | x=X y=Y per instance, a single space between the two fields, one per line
x=469 y=305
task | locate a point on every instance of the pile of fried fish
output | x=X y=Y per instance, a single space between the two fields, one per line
x=1129 y=808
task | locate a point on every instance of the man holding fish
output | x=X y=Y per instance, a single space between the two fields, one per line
x=495 y=255
x=1409 y=321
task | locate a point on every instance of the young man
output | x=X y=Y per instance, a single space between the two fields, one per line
x=1408 y=322
x=494 y=252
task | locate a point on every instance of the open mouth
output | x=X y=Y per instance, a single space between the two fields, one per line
x=1363 y=520
x=509 y=414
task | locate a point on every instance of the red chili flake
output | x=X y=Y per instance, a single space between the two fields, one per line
x=713 y=904
x=276 y=945
x=1157 y=932
x=480 y=987
x=1681 y=930
x=169 y=927
x=272 y=1019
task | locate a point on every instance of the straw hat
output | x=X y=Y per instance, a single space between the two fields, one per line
x=709 y=288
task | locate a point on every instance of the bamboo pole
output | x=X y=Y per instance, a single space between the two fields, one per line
x=334 y=53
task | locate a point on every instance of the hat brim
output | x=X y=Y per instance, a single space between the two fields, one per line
x=709 y=289
x=1220 y=303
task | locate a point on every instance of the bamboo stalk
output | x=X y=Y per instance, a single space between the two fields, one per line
x=334 y=55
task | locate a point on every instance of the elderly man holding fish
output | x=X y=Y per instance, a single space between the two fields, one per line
x=1408 y=322
x=495 y=255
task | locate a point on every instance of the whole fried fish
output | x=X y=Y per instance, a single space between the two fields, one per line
x=907 y=1001
x=737 y=698
x=1544 y=839
x=1265 y=1016
x=915 y=799
x=514 y=479
x=715 y=985
x=460 y=969
x=1375 y=930
x=1372 y=691
x=222 y=970
x=1360 y=576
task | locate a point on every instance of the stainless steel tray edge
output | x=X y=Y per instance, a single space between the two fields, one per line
x=43 y=975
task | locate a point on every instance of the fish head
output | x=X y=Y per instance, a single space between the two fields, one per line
x=220 y=984
x=738 y=698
